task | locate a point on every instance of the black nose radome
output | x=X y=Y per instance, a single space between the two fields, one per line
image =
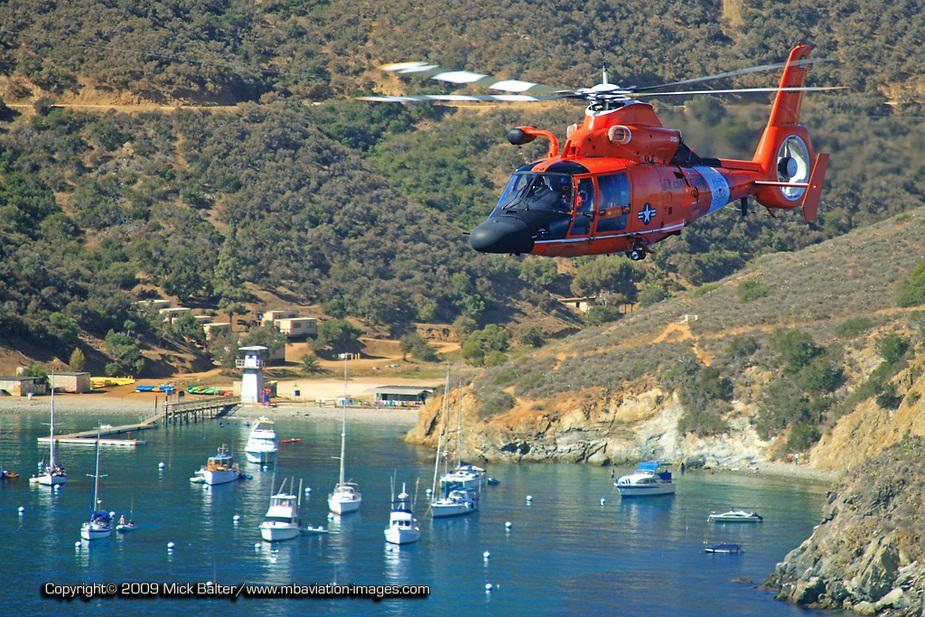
x=502 y=235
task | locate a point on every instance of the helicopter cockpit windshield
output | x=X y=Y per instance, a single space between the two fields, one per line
x=529 y=190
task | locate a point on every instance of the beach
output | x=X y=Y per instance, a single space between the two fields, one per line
x=124 y=400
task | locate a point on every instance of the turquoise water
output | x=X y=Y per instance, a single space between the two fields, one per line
x=564 y=553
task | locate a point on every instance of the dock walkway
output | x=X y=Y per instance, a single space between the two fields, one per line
x=176 y=412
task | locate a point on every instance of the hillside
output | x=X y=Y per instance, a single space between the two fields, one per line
x=722 y=375
x=210 y=153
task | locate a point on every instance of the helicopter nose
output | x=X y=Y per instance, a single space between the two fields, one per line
x=502 y=235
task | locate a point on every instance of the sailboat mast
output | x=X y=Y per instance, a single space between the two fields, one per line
x=51 y=456
x=459 y=429
x=446 y=394
x=96 y=473
x=343 y=430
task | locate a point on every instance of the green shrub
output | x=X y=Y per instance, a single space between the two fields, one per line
x=599 y=315
x=912 y=289
x=891 y=347
x=701 y=424
x=802 y=437
x=853 y=327
x=753 y=290
x=496 y=404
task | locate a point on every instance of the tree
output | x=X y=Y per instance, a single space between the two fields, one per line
x=78 y=361
x=419 y=349
x=608 y=273
x=531 y=335
x=311 y=366
x=337 y=335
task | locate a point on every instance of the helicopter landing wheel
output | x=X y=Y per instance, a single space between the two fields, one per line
x=638 y=254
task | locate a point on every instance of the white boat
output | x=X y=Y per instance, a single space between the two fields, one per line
x=403 y=527
x=100 y=523
x=735 y=516
x=127 y=525
x=346 y=496
x=650 y=478
x=220 y=468
x=455 y=497
x=53 y=473
x=465 y=476
x=262 y=446
x=282 y=520
x=457 y=501
x=723 y=548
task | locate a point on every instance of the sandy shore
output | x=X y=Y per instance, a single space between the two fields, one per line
x=122 y=401
x=143 y=404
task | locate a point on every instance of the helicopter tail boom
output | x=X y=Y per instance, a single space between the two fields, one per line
x=793 y=172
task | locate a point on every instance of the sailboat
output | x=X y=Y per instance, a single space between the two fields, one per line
x=53 y=473
x=100 y=523
x=466 y=477
x=454 y=499
x=346 y=496
x=282 y=520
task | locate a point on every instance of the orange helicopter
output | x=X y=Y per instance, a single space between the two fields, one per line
x=623 y=182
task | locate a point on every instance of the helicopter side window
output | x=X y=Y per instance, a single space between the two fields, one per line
x=585 y=200
x=615 y=202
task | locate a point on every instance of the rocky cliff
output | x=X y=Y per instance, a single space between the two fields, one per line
x=631 y=427
x=867 y=554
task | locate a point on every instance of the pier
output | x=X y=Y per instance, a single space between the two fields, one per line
x=179 y=412
x=203 y=409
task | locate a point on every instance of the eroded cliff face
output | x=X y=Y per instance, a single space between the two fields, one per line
x=867 y=554
x=628 y=427
x=870 y=428
x=640 y=423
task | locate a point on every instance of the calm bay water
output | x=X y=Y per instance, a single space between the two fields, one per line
x=565 y=553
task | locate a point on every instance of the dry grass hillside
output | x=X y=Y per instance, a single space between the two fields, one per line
x=617 y=391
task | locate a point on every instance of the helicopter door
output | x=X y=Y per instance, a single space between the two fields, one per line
x=615 y=203
x=584 y=209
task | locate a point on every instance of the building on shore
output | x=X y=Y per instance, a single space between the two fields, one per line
x=23 y=386
x=76 y=382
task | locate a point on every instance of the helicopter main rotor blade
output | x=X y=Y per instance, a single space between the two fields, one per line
x=450 y=98
x=754 y=69
x=438 y=73
x=733 y=91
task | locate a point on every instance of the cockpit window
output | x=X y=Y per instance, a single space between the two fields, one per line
x=540 y=191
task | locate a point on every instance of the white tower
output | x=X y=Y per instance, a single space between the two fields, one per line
x=252 y=379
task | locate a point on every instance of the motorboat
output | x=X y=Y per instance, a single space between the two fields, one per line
x=735 y=516
x=403 y=527
x=220 y=468
x=53 y=473
x=127 y=525
x=723 y=548
x=457 y=502
x=282 y=520
x=261 y=445
x=346 y=496
x=650 y=478
x=100 y=523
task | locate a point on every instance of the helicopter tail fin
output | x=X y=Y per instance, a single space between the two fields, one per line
x=785 y=153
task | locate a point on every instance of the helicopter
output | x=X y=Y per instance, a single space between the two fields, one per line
x=622 y=182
